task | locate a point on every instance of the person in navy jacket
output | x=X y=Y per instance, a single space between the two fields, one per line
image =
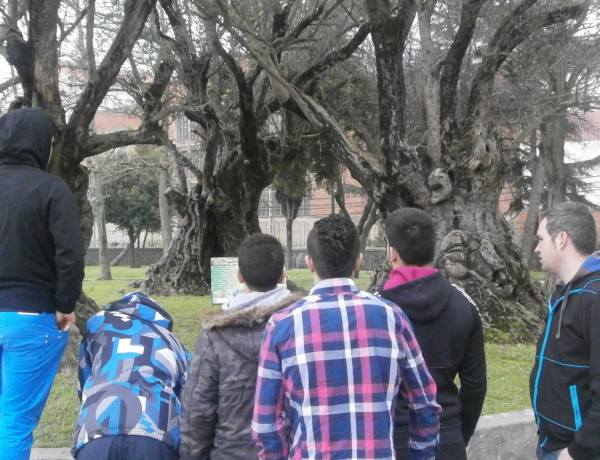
x=41 y=271
x=565 y=380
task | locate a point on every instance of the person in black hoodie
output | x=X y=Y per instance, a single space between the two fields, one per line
x=41 y=271
x=565 y=379
x=447 y=326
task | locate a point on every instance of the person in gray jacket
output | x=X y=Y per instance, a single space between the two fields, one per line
x=218 y=399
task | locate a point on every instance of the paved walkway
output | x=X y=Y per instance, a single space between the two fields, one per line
x=508 y=436
x=62 y=453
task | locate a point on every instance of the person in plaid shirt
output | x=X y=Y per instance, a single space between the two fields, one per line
x=333 y=364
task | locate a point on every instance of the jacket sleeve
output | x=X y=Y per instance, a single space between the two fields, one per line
x=85 y=366
x=68 y=248
x=200 y=401
x=419 y=390
x=473 y=378
x=587 y=441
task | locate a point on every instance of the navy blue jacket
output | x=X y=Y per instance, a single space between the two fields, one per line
x=41 y=249
x=565 y=380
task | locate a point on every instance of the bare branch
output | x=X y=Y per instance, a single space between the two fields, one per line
x=79 y=18
x=136 y=14
x=335 y=56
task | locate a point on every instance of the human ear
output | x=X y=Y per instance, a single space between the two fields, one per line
x=282 y=277
x=309 y=263
x=359 y=260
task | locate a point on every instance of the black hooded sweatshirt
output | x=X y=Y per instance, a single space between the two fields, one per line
x=448 y=327
x=41 y=249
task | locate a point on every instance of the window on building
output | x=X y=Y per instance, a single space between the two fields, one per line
x=183 y=129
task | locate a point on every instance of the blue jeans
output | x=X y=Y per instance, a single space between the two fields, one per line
x=547 y=454
x=552 y=454
x=31 y=347
x=126 y=447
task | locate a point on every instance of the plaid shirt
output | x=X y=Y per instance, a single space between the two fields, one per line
x=333 y=364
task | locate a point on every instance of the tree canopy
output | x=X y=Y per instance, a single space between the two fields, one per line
x=131 y=198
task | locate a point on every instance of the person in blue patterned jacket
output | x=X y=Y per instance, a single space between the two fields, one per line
x=131 y=375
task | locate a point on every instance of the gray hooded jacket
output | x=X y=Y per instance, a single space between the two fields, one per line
x=218 y=399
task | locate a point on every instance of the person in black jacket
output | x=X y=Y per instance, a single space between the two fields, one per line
x=447 y=326
x=565 y=379
x=218 y=399
x=41 y=271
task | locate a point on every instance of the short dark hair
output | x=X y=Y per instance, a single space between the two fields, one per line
x=261 y=261
x=577 y=221
x=333 y=245
x=412 y=233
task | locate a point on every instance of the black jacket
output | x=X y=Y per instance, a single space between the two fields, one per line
x=565 y=380
x=448 y=328
x=41 y=249
x=218 y=400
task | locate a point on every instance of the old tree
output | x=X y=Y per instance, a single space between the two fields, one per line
x=41 y=37
x=257 y=79
x=456 y=174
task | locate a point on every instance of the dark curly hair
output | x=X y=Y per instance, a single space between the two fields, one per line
x=261 y=261
x=333 y=245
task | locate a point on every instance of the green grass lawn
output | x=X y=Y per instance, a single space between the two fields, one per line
x=508 y=365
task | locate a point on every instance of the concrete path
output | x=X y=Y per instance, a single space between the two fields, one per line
x=62 y=453
x=508 y=436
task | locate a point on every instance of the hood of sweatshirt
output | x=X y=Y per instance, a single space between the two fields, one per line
x=26 y=138
x=589 y=266
x=423 y=299
x=249 y=299
x=242 y=330
x=140 y=306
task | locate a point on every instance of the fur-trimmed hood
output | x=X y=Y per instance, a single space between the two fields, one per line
x=250 y=317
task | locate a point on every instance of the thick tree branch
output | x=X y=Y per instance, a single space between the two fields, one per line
x=89 y=38
x=285 y=41
x=9 y=83
x=135 y=15
x=513 y=31
x=334 y=57
x=98 y=143
x=453 y=63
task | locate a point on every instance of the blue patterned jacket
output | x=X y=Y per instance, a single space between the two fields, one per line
x=131 y=373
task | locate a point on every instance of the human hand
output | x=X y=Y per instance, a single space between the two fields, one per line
x=64 y=320
x=564 y=455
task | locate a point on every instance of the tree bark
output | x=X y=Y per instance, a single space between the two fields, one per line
x=369 y=217
x=475 y=248
x=163 y=204
x=132 y=236
x=553 y=133
x=218 y=213
x=120 y=257
x=535 y=198
x=98 y=210
x=289 y=237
